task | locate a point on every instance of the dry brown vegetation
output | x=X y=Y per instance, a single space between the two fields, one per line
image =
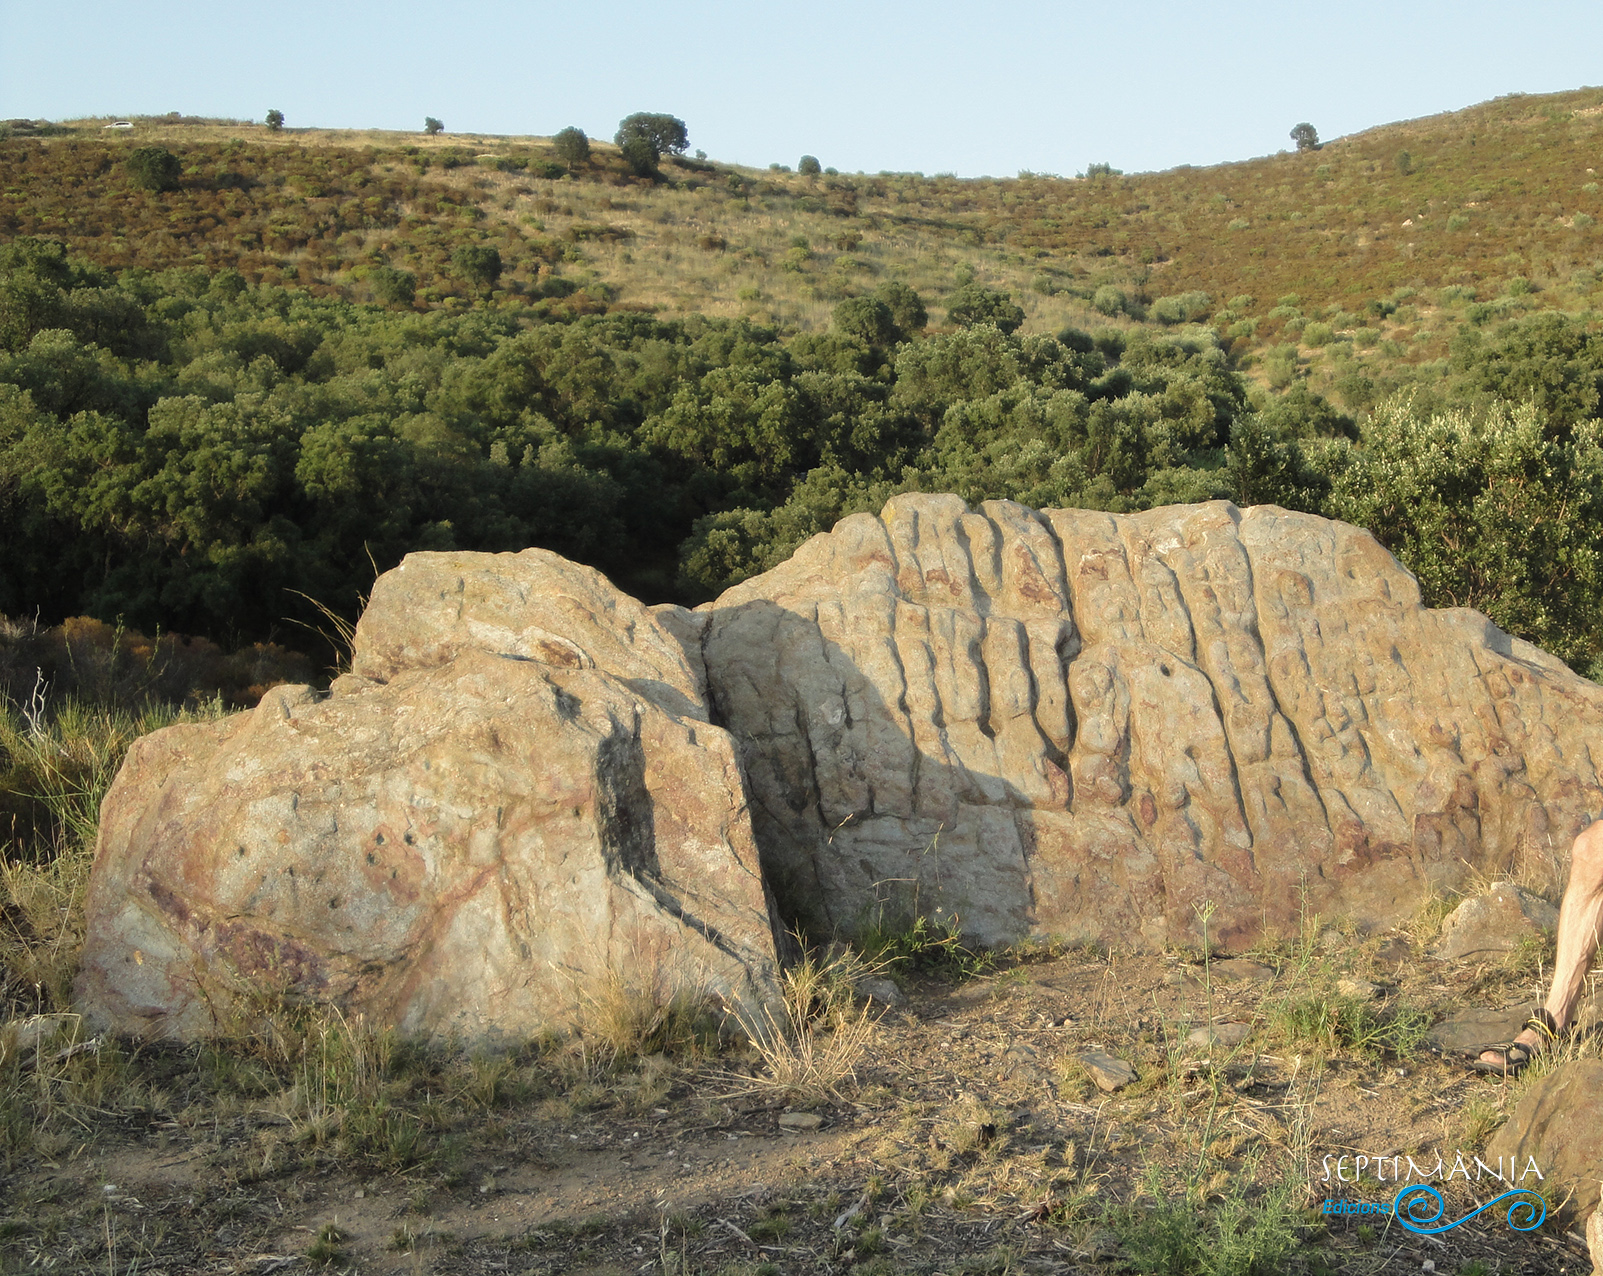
x=1367 y=253
x=957 y=1132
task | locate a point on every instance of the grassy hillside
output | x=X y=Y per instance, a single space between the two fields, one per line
x=1362 y=257
x=205 y=417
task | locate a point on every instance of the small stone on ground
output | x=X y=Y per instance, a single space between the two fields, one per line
x=1221 y=1034
x=1109 y=1073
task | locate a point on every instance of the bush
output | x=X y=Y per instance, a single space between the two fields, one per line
x=393 y=287
x=1280 y=366
x=572 y=146
x=1186 y=307
x=1489 y=511
x=867 y=319
x=478 y=264
x=973 y=304
x=1108 y=300
x=154 y=168
x=906 y=307
x=640 y=156
x=809 y=166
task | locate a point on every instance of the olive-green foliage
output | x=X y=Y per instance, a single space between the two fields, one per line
x=275 y=121
x=478 y=263
x=1109 y=300
x=906 y=307
x=1491 y=508
x=661 y=134
x=393 y=287
x=193 y=453
x=154 y=168
x=809 y=166
x=1235 y=1236
x=1549 y=359
x=1185 y=307
x=972 y=304
x=572 y=146
x=640 y=155
x=1306 y=137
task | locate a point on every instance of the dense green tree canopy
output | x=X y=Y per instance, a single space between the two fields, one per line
x=663 y=134
x=186 y=452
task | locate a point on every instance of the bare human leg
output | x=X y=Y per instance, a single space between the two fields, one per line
x=1580 y=926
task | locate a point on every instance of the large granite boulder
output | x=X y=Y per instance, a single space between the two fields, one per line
x=1102 y=727
x=513 y=807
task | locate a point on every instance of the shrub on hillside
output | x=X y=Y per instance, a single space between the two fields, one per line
x=973 y=304
x=154 y=168
x=478 y=264
x=572 y=146
x=1185 y=307
x=906 y=306
x=393 y=287
x=1108 y=300
x=1489 y=511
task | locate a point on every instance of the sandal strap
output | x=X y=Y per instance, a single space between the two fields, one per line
x=1542 y=1022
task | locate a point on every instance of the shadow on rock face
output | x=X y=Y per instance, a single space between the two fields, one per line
x=1097 y=727
x=459 y=842
x=532 y=789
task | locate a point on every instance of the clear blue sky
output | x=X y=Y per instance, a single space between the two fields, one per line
x=933 y=86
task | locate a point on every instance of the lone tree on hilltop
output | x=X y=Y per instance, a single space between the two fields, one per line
x=1306 y=137
x=154 y=168
x=572 y=146
x=644 y=138
x=275 y=120
x=432 y=126
x=809 y=166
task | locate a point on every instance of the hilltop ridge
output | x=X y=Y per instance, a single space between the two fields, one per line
x=1370 y=251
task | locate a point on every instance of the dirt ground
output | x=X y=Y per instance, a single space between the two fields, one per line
x=969 y=1139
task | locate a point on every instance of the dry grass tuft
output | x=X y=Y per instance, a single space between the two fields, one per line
x=810 y=1046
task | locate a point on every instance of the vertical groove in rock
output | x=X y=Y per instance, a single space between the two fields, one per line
x=1099 y=721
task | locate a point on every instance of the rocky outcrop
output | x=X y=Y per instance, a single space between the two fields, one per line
x=531 y=789
x=511 y=809
x=1558 y=1123
x=1106 y=728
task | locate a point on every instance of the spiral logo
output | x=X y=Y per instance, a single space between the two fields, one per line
x=1412 y=1207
